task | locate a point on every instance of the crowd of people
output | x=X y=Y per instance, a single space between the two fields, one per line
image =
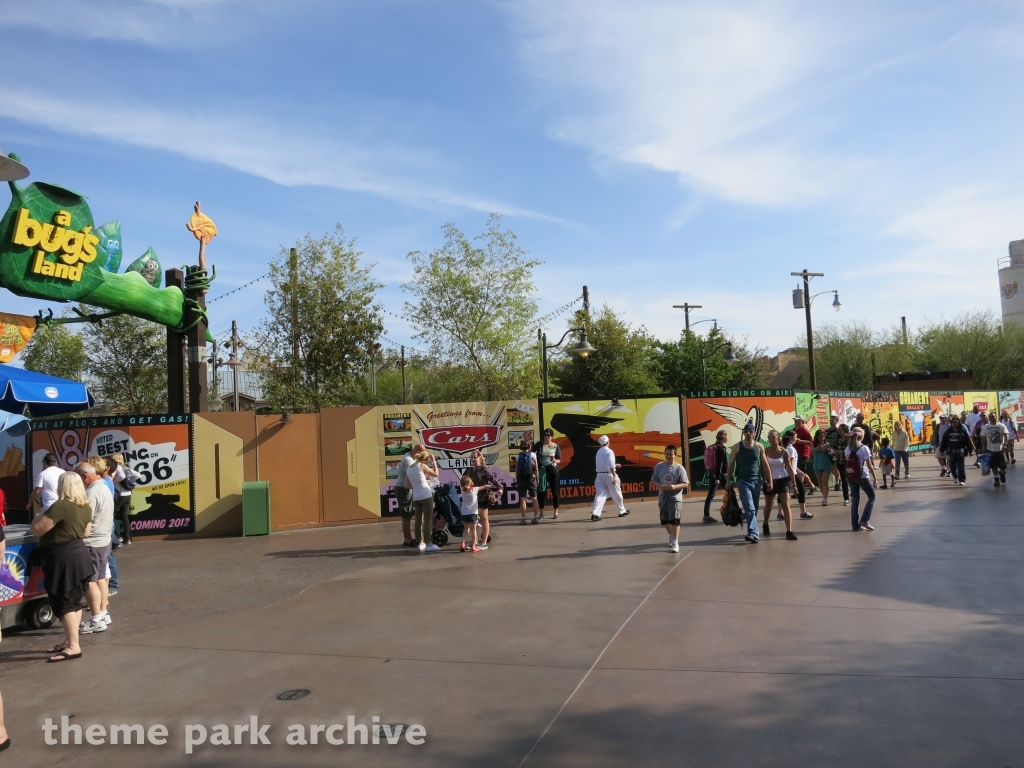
x=795 y=465
x=77 y=536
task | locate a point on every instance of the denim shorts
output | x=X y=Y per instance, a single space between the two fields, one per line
x=470 y=519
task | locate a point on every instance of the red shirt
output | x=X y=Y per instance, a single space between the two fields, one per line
x=803 y=433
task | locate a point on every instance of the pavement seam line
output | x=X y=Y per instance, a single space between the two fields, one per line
x=598 y=660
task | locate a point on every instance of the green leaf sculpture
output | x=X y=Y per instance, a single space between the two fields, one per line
x=110 y=247
x=147 y=265
x=49 y=251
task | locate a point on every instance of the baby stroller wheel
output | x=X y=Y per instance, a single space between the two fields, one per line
x=440 y=538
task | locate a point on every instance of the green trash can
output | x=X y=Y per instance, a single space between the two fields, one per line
x=256 y=508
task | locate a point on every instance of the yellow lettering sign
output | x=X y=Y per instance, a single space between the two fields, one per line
x=914 y=398
x=73 y=247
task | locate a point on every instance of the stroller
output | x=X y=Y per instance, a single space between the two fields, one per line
x=447 y=514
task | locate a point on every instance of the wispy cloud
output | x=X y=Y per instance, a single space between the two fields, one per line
x=290 y=155
x=701 y=90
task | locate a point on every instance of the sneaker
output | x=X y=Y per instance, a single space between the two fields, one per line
x=1002 y=478
x=780 y=516
x=997 y=482
x=751 y=539
x=88 y=627
x=943 y=473
x=623 y=514
x=790 y=536
x=408 y=543
x=806 y=516
x=907 y=474
x=112 y=592
x=535 y=521
x=837 y=487
x=709 y=519
x=432 y=548
x=859 y=528
x=105 y=618
x=962 y=483
x=846 y=502
x=675 y=546
x=868 y=527
x=485 y=545
x=593 y=518
x=523 y=521
x=421 y=546
x=767 y=531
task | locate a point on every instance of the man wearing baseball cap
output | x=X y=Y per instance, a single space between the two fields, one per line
x=748 y=464
x=607 y=483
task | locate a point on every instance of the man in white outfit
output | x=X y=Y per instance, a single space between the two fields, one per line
x=607 y=483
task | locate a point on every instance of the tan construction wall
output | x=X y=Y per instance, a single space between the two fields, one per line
x=218 y=461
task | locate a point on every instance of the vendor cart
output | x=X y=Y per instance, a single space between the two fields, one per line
x=22 y=598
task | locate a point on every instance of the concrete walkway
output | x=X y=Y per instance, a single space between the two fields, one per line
x=570 y=643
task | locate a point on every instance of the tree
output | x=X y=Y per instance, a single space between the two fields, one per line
x=338 y=325
x=622 y=366
x=678 y=363
x=474 y=307
x=979 y=342
x=55 y=350
x=126 y=362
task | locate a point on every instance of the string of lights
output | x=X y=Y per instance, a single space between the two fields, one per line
x=561 y=310
x=236 y=290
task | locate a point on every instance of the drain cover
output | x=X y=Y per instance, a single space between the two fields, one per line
x=292 y=695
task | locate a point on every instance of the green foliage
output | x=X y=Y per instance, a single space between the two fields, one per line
x=57 y=351
x=622 y=366
x=338 y=325
x=473 y=305
x=678 y=363
x=425 y=381
x=126 y=363
x=847 y=356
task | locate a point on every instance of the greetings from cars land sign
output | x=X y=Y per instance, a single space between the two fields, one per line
x=157 y=447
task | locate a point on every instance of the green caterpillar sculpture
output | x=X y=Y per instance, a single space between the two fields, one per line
x=50 y=250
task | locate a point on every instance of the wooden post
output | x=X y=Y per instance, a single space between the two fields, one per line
x=176 y=401
x=197 y=384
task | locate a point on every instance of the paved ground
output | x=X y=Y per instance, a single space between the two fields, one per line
x=573 y=643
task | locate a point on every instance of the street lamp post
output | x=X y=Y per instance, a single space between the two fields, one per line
x=729 y=359
x=802 y=300
x=583 y=349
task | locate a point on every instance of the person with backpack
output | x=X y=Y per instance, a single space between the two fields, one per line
x=996 y=438
x=549 y=455
x=715 y=462
x=747 y=467
x=860 y=473
x=125 y=479
x=526 y=479
x=956 y=444
x=606 y=484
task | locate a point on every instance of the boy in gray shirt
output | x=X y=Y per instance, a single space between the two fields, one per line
x=671 y=479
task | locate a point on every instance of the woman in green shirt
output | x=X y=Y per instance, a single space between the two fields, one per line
x=67 y=566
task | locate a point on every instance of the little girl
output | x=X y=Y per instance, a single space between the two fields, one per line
x=470 y=514
x=888 y=457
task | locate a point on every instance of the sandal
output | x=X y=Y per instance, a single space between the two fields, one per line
x=554 y=516
x=65 y=656
x=56 y=649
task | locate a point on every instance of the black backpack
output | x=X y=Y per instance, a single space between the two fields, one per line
x=732 y=510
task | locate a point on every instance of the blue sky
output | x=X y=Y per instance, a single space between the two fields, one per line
x=659 y=152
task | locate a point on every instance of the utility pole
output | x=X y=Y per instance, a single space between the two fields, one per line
x=293 y=279
x=403 y=373
x=807 y=311
x=586 y=299
x=234 y=363
x=686 y=309
x=903 y=323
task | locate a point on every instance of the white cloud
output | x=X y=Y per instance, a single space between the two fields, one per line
x=698 y=90
x=286 y=155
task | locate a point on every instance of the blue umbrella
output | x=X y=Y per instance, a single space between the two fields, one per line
x=43 y=395
x=15 y=424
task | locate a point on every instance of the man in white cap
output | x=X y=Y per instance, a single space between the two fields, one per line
x=607 y=483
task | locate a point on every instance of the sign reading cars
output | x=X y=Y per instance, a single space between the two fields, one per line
x=460 y=439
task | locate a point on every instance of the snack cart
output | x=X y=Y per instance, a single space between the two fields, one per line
x=22 y=599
